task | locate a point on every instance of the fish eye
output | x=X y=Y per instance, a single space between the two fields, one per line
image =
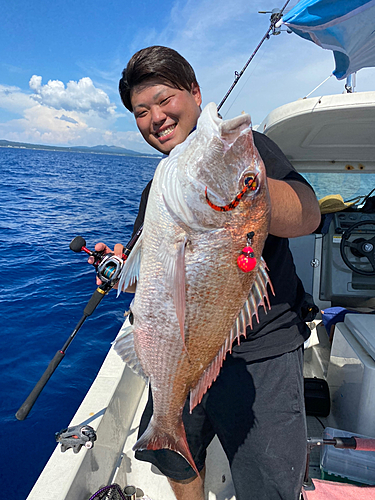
x=250 y=182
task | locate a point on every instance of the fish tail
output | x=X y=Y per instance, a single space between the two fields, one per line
x=155 y=438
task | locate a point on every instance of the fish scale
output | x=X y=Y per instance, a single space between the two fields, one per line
x=192 y=301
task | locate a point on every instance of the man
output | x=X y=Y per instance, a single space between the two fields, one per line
x=256 y=405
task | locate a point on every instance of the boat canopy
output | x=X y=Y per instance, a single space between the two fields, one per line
x=346 y=27
x=333 y=133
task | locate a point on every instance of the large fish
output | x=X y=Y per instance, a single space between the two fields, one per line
x=192 y=300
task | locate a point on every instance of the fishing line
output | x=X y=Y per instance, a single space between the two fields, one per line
x=244 y=85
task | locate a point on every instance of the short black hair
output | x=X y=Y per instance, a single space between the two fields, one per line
x=156 y=62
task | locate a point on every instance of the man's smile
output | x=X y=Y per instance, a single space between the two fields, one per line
x=166 y=131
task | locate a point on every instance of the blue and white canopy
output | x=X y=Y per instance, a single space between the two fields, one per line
x=345 y=26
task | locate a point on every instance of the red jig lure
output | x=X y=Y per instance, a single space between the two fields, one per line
x=249 y=184
x=246 y=260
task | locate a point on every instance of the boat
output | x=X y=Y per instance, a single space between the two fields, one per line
x=320 y=135
x=326 y=138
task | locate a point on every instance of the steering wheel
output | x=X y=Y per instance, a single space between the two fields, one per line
x=359 y=247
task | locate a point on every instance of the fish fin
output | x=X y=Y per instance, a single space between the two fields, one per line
x=155 y=438
x=208 y=376
x=179 y=295
x=130 y=272
x=124 y=346
x=174 y=264
x=258 y=296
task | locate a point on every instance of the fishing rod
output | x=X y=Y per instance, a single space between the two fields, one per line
x=108 y=268
x=276 y=15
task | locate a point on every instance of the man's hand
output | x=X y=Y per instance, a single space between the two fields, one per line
x=102 y=247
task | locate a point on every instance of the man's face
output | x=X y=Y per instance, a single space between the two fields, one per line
x=165 y=115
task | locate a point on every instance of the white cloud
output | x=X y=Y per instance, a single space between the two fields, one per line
x=14 y=100
x=44 y=125
x=63 y=116
x=80 y=96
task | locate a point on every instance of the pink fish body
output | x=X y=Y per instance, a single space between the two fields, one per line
x=192 y=300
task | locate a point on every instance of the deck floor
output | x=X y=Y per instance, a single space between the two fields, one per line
x=218 y=484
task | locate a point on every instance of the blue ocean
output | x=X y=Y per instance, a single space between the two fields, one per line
x=46 y=199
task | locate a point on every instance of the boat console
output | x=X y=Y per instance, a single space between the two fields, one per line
x=348 y=260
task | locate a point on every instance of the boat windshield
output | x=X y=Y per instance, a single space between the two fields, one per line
x=350 y=185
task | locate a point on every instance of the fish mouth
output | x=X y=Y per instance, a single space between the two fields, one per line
x=230 y=130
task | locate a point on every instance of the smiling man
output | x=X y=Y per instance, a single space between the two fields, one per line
x=256 y=405
x=164 y=95
x=165 y=115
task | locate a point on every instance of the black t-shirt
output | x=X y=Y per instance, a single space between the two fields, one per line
x=281 y=328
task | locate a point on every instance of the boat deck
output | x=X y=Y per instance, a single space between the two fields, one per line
x=218 y=483
x=113 y=407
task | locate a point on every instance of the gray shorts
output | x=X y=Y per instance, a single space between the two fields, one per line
x=257 y=411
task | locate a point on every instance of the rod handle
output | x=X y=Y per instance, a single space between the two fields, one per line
x=34 y=394
x=94 y=301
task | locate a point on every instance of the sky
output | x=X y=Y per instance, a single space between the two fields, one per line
x=60 y=63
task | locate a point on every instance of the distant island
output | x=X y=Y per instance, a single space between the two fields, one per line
x=107 y=150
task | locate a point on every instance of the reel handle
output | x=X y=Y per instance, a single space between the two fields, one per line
x=77 y=244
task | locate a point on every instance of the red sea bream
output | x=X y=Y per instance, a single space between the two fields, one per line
x=192 y=300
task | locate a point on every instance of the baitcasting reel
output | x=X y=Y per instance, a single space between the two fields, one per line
x=108 y=266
